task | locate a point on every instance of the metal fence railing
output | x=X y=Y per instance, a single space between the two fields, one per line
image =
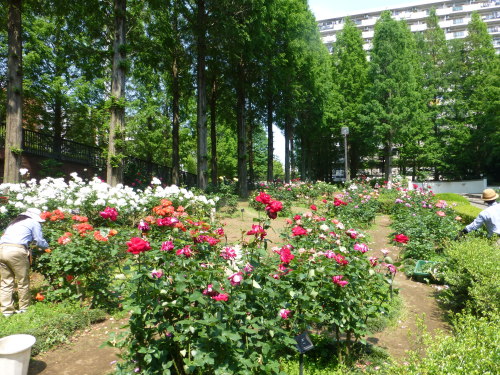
x=41 y=144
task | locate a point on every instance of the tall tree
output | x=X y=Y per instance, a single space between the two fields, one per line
x=435 y=55
x=481 y=89
x=117 y=120
x=350 y=74
x=394 y=100
x=14 y=119
x=201 y=92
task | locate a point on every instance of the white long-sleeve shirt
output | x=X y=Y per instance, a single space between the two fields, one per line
x=490 y=217
x=23 y=232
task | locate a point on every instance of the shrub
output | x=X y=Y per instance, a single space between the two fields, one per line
x=467 y=212
x=51 y=324
x=474 y=348
x=452 y=198
x=472 y=273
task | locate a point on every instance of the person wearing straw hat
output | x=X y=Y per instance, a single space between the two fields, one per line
x=490 y=217
x=15 y=257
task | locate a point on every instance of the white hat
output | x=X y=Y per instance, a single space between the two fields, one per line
x=34 y=213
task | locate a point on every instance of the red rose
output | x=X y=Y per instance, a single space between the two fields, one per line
x=274 y=206
x=137 y=245
x=263 y=198
x=298 y=231
x=401 y=238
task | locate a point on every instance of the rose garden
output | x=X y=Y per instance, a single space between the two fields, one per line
x=195 y=303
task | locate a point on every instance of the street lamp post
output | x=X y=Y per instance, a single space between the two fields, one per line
x=345 y=132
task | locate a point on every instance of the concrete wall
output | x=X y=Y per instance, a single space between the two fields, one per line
x=457 y=187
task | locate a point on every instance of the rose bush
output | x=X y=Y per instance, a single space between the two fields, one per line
x=198 y=305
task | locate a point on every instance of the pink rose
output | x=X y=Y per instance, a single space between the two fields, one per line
x=361 y=247
x=284 y=313
x=338 y=280
x=235 y=278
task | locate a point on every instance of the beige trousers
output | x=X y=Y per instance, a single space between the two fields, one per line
x=14 y=265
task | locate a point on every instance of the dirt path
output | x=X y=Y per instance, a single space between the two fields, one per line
x=418 y=300
x=82 y=356
x=85 y=356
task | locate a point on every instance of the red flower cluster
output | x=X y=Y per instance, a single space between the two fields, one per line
x=81 y=219
x=52 y=216
x=65 y=238
x=401 y=238
x=298 y=231
x=272 y=206
x=137 y=245
x=109 y=213
x=83 y=228
x=286 y=255
x=339 y=202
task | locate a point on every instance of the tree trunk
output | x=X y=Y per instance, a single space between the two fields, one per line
x=57 y=123
x=288 y=126
x=14 y=119
x=251 y=156
x=202 y=153
x=175 y=109
x=292 y=153
x=117 y=121
x=213 y=132
x=270 y=140
x=241 y=130
x=388 y=161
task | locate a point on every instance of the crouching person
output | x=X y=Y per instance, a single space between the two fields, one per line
x=15 y=256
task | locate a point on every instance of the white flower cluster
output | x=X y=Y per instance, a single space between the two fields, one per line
x=51 y=193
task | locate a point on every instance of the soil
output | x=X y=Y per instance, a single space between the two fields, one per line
x=86 y=354
x=419 y=300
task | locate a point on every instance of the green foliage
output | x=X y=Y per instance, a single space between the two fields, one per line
x=467 y=212
x=472 y=349
x=82 y=263
x=51 y=324
x=429 y=225
x=472 y=273
x=452 y=198
x=51 y=168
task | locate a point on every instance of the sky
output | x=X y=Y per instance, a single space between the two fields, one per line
x=332 y=8
x=323 y=9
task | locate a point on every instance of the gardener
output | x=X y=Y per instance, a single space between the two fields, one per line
x=15 y=256
x=490 y=217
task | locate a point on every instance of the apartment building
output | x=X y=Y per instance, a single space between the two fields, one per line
x=453 y=16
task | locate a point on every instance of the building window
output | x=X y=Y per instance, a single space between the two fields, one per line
x=458 y=34
x=457 y=8
x=458 y=21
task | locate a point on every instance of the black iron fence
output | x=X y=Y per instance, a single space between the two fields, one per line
x=136 y=171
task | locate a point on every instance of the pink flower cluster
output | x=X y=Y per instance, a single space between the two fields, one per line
x=167 y=221
x=258 y=231
x=338 y=280
x=228 y=253
x=109 y=213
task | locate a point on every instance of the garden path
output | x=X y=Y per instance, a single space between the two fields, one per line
x=86 y=355
x=418 y=300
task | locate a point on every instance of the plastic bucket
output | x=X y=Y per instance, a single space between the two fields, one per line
x=15 y=353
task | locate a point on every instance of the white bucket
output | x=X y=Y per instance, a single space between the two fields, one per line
x=15 y=353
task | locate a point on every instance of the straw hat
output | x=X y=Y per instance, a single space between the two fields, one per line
x=489 y=195
x=33 y=213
